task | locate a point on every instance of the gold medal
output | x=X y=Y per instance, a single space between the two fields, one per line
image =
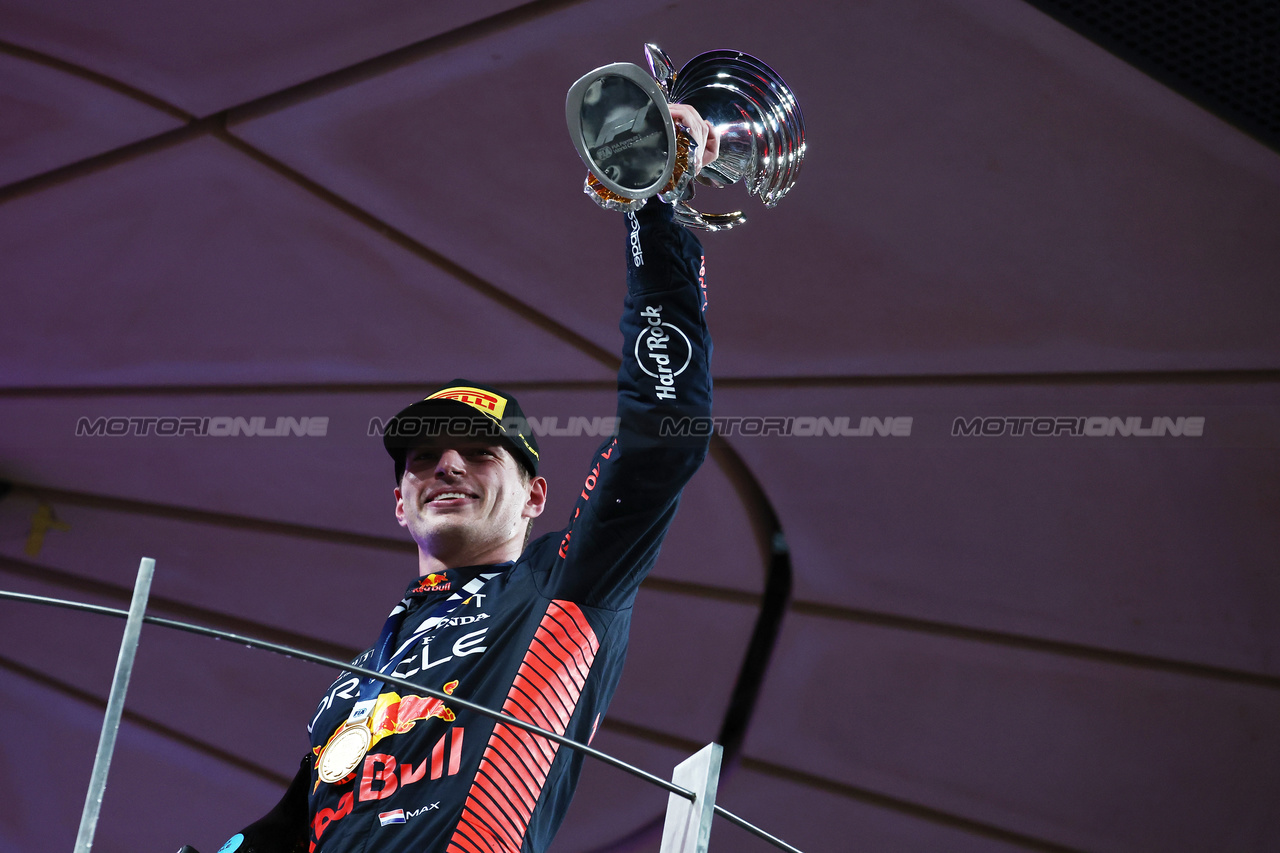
x=344 y=752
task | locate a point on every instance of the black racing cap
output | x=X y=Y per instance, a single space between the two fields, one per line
x=463 y=409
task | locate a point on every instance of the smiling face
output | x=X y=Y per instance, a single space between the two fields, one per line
x=466 y=502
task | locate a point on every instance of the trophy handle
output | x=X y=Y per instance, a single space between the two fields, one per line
x=661 y=67
x=690 y=218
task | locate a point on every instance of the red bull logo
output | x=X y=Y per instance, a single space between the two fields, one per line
x=433 y=583
x=381 y=774
x=394 y=714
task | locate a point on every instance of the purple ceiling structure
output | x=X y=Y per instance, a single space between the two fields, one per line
x=1028 y=595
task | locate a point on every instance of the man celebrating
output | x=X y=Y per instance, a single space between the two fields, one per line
x=537 y=630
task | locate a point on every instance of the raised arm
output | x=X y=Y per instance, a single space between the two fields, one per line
x=633 y=484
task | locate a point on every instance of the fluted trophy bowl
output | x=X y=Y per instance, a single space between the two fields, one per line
x=620 y=121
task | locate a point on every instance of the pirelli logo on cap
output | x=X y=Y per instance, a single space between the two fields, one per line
x=485 y=402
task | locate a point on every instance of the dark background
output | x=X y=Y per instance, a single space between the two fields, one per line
x=321 y=209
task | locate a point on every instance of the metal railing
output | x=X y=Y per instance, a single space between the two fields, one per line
x=135 y=616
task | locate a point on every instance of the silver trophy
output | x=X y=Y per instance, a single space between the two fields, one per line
x=620 y=121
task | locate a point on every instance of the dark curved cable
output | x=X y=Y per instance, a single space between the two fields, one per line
x=773 y=606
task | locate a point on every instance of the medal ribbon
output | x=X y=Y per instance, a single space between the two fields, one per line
x=385 y=662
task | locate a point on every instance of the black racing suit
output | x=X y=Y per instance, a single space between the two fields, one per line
x=544 y=638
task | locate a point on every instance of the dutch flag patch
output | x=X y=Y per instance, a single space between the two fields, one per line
x=396 y=816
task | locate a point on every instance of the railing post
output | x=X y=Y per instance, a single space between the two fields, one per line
x=115 y=706
x=688 y=825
